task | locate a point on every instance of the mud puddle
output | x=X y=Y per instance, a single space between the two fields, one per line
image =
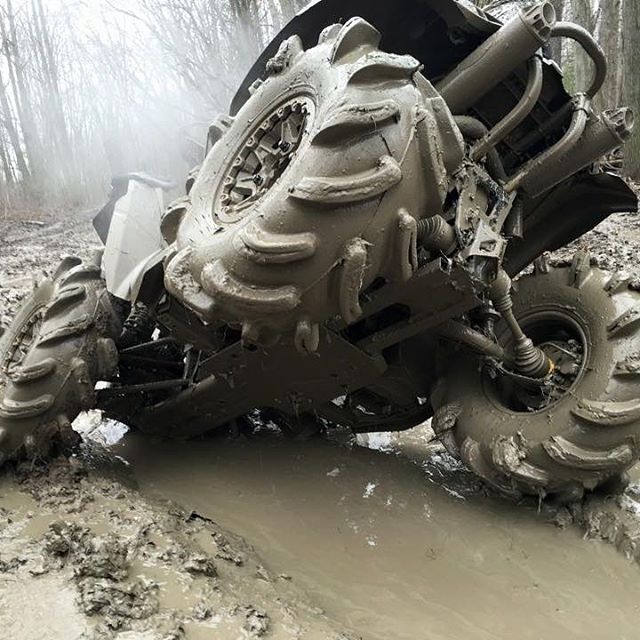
x=84 y=556
x=394 y=542
x=395 y=548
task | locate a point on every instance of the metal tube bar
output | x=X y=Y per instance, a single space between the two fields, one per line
x=517 y=115
x=553 y=122
x=557 y=151
x=472 y=129
x=601 y=136
x=496 y=58
x=160 y=385
x=476 y=341
x=592 y=49
x=151 y=343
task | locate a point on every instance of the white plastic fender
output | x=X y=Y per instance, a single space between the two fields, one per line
x=135 y=243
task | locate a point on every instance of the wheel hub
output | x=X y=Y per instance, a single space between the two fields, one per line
x=263 y=157
x=567 y=358
x=563 y=342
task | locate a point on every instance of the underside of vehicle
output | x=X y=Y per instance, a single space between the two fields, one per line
x=347 y=254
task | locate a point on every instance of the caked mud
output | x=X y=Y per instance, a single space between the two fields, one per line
x=85 y=556
x=383 y=537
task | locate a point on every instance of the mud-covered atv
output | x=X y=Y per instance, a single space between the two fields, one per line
x=345 y=255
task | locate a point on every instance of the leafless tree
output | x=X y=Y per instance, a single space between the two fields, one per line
x=631 y=77
x=90 y=89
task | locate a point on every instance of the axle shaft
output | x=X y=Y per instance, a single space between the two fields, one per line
x=529 y=360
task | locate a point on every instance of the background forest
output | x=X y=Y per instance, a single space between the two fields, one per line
x=92 y=88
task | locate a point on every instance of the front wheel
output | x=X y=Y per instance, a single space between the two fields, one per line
x=583 y=428
x=60 y=343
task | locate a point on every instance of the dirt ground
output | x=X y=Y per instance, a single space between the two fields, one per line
x=379 y=537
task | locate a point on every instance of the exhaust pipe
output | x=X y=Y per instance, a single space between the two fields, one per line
x=601 y=136
x=498 y=57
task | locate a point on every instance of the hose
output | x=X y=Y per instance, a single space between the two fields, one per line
x=472 y=129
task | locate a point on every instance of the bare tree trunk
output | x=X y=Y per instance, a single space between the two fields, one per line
x=581 y=66
x=22 y=97
x=610 y=38
x=14 y=136
x=631 y=55
x=7 y=169
x=64 y=151
x=290 y=8
x=556 y=43
x=249 y=23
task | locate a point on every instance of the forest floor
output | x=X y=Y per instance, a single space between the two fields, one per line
x=379 y=537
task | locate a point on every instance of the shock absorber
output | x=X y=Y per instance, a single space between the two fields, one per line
x=530 y=361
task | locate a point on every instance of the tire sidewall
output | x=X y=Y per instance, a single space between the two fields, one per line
x=484 y=419
x=34 y=303
x=310 y=73
x=306 y=77
x=343 y=195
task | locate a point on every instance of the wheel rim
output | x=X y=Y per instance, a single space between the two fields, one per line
x=262 y=158
x=564 y=341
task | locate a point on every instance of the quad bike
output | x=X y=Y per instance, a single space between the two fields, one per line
x=346 y=254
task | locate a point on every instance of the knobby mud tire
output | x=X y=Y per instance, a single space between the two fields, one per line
x=376 y=148
x=587 y=439
x=61 y=342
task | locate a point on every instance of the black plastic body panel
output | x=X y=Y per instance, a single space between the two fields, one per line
x=567 y=212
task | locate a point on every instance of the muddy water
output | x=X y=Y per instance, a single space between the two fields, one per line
x=83 y=556
x=396 y=549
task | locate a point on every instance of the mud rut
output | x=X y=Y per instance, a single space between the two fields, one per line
x=383 y=537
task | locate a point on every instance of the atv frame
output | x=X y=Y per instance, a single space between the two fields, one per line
x=380 y=358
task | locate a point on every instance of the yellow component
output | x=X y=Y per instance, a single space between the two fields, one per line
x=552 y=367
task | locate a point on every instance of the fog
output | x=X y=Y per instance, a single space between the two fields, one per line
x=94 y=88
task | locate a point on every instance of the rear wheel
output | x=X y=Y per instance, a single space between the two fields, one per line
x=58 y=346
x=583 y=428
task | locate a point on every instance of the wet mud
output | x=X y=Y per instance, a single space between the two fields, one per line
x=84 y=556
x=399 y=548
x=31 y=245
x=383 y=536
